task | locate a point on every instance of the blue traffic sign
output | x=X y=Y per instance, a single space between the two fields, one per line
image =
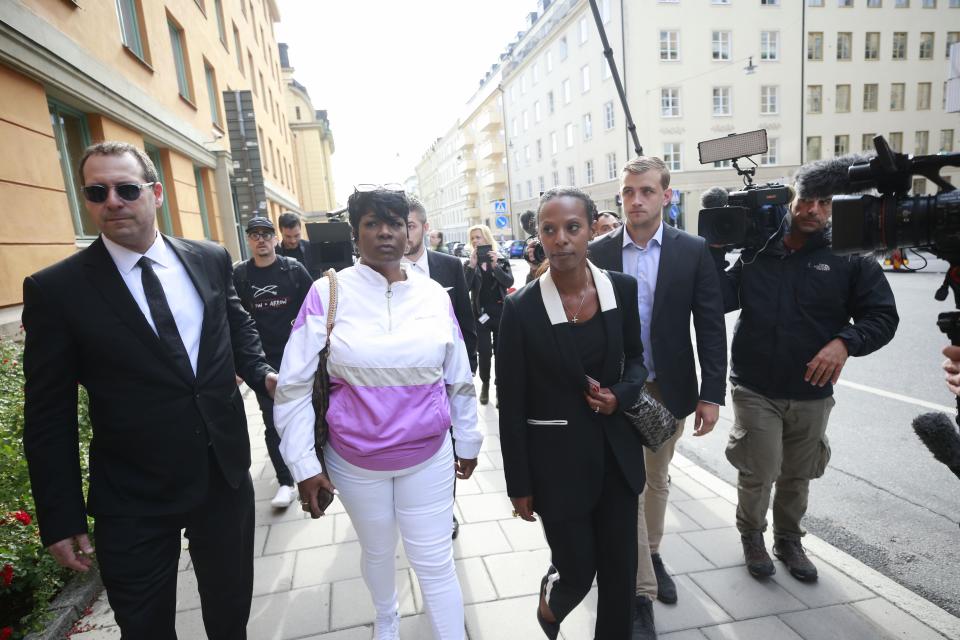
x=502 y=222
x=499 y=206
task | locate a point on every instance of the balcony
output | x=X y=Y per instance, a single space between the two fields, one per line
x=470 y=187
x=472 y=215
x=464 y=140
x=490 y=118
x=490 y=149
x=467 y=164
x=494 y=178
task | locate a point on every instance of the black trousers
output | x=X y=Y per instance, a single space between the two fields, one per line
x=138 y=559
x=602 y=543
x=272 y=439
x=486 y=344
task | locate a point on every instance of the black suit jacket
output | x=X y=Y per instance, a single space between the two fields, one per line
x=552 y=442
x=448 y=271
x=153 y=422
x=687 y=283
x=502 y=276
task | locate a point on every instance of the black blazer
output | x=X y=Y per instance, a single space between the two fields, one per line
x=448 y=271
x=552 y=446
x=502 y=275
x=153 y=423
x=687 y=283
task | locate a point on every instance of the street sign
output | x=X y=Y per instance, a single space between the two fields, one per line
x=675 y=199
x=502 y=221
x=499 y=206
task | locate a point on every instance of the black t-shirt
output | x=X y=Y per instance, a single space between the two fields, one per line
x=274 y=305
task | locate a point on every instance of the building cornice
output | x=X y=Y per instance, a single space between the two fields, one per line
x=282 y=197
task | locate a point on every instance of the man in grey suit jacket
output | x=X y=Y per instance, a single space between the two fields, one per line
x=676 y=279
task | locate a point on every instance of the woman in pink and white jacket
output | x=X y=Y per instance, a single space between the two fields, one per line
x=399 y=378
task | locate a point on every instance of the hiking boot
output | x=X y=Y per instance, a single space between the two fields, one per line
x=666 y=588
x=790 y=552
x=643 y=625
x=755 y=555
x=485 y=393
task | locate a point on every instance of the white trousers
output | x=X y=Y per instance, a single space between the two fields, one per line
x=419 y=501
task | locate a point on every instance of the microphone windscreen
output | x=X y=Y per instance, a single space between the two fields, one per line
x=714 y=197
x=938 y=433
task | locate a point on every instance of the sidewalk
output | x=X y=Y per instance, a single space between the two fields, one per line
x=307 y=574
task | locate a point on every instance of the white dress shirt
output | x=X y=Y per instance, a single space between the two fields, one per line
x=182 y=297
x=643 y=263
x=421 y=265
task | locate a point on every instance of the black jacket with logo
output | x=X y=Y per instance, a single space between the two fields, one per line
x=792 y=304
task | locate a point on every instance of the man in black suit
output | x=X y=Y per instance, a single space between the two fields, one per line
x=152 y=328
x=448 y=271
x=676 y=279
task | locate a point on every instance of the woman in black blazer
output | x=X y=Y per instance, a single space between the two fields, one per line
x=569 y=453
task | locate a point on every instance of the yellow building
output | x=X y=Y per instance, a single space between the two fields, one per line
x=312 y=144
x=160 y=75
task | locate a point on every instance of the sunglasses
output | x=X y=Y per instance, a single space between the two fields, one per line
x=98 y=193
x=260 y=235
x=390 y=186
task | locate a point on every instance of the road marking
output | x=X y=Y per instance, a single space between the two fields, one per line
x=898 y=396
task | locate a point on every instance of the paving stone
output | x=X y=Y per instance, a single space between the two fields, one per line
x=895 y=621
x=768 y=628
x=264 y=514
x=491 y=442
x=485 y=506
x=187 y=595
x=511 y=619
x=272 y=574
x=287 y=615
x=680 y=556
x=832 y=587
x=496 y=459
x=518 y=573
x=259 y=539
x=823 y=624
x=265 y=489
x=343 y=530
x=100 y=615
x=415 y=628
x=690 y=486
x=106 y=633
x=475 y=583
x=352 y=605
x=356 y=633
x=184 y=562
x=689 y=634
x=491 y=481
x=675 y=521
x=743 y=596
x=709 y=513
x=696 y=609
x=677 y=494
x=299 y=534
x=582 y=621
x=523 y=535
x=480 y=539
x=327 y=564
x=720 y=546
x=469 y=487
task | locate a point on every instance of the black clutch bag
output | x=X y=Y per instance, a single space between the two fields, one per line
x=653 y=422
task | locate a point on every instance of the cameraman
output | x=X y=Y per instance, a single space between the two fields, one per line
x=532 y=250
x=790 y=344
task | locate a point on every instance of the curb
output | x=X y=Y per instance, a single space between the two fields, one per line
x=69 y=605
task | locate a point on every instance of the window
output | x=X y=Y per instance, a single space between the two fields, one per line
x=571 y=176
x=874 y=4
x=921 y=143
x=514 y=128
x=605 y=68
x=553 y=142
x=814 y=98
x=770 y=157
x=926 y=45
x=896 y=141
x=923 y=96
x=563 y=48
x=568 y=134
x=583 y=29
x=263 y=148
x=588 y=171
x=670 y=102
x=721 y=45
x=814 y=3
x=218 y=13
x=672 y=156
x=608 y=115
x=670 y=45
x=844 y=45
x=813 y=148
x=180 y=60
x=769 y=45
x=202 y=201
x=536 y=111
x=845 y=4
x=253 y=76
x=216 y=117
x=236 y=49
x=131 y=28
x=550 y=102
x=542 y=184
x=769 y=3
x=297 y=109
x=535 y=71
x=928 y=4
x=769 y=99
x=871 y=95
x=866 y=142
x=525 y=118
x=526 y=155
x=72 y=137
x=585 y=78
x=612 y=165
x=565 y=90
x=871 y=47
x=841 y=145
x=815 y=45
x=721 y=101
x=529 y=189
x=897 y=93
x=263 y=91
x=952 y=38
x=539 y=149
x=946 y=140
x=549 y=61
x=587 y=126
x=842 y=100
x=899 y=45
x=523 y=84
x=722 y=164
x=556 y=178
x=901 y=4
x=719 y=1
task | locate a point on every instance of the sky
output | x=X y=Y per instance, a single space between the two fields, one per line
x=393 y=76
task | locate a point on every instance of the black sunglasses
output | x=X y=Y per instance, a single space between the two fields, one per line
x=98 y=193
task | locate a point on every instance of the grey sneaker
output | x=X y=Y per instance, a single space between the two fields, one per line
x=755 y=555
x=791 y=553
x=643 y=625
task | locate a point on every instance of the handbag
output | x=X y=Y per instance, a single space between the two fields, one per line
x=653 y=421
x=321 y=393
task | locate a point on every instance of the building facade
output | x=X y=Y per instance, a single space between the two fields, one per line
x=442 y=175
x=165 y=77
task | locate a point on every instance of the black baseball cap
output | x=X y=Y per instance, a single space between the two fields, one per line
x=259 y=222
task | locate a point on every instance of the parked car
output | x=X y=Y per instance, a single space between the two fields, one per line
x=516 y=248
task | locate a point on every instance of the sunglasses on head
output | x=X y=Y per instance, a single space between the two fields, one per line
x=390 y=186
x=99 y=192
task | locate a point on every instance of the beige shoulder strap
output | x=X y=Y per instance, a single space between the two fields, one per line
x=332 y=307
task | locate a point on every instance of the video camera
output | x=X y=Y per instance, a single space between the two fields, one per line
x=744 y=219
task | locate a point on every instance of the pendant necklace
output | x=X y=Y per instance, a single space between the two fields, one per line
x=576 y=314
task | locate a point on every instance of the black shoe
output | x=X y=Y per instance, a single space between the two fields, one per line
x=755 y=555
x=485 y=393
x=643 y=626
x=456 y=528
x=551 y=629
x=666 y=588
x=791 y=553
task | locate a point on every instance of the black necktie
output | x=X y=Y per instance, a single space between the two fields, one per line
x=162 y=316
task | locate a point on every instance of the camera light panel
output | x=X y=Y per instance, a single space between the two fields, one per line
x=733 y=146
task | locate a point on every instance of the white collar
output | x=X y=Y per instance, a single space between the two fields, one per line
x=126 y=260
x=373 y=276
x=551 y=296
x=421 y=261
x=658 y=236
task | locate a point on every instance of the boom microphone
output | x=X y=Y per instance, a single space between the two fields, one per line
x=937 y=432
x=714 y=197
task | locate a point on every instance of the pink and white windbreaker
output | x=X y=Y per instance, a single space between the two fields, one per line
x=399 y=375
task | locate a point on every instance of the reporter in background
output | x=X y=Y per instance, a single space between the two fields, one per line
x=292 y=244
x=605 y=222
x=794 y=335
